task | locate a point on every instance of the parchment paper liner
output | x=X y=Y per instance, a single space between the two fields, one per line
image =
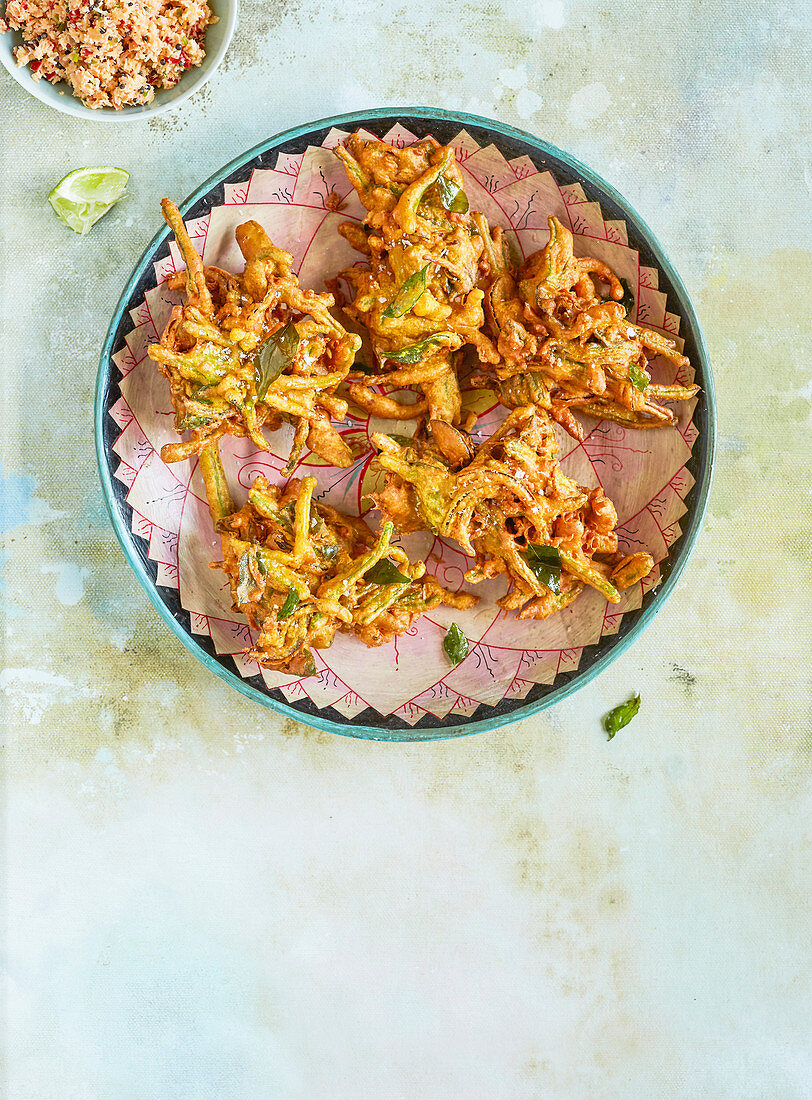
x=643 y=472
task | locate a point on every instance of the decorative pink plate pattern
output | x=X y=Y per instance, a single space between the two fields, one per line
x=642 y=472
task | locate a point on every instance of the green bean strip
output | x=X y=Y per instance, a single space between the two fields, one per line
x=406 y=209
x=214 y=477
x=589 y=576
x=279 y=575
x=358 y=177
x=264 y=505
x=195 y=272
x=671 y=393
x=381 y=598
x=620 y=415
x=661 y=344
x=339 y=585
x=207 y=364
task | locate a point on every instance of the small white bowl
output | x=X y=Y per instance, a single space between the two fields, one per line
x=59 y=96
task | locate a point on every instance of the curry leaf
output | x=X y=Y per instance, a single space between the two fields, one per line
x=452 y=196
x=274 y=356
x=288 y=606
x=638 y=378
x=545 y=563
x=415 y=352
x=409 y=294
x=621 y=716
x=455 y=644
x=385 y=572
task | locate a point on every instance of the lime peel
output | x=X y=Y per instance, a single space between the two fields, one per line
x=86 y=194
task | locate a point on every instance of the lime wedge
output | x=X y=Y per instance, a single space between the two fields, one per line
x=84 y=196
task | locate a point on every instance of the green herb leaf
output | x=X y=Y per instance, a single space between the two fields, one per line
x=545 y=562
x=274 y=356
x=415 y=352
x=409 y=294
x=638 y=378
x=287 y=607
x=452 y=196
x=363 y=367
x=385 y=572
x=621 y=716
x=455 y=644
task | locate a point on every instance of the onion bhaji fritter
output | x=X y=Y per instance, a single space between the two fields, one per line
x=301 y=571
x=418 y=295
x=510 y=506
x=251 y=350
x=565 y=346
x=552 y=332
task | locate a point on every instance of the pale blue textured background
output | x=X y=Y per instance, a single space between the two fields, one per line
x=204 y=900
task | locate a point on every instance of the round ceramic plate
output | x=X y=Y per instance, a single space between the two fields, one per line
x=406 y=690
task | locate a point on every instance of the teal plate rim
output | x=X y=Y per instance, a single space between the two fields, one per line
x=702 y=459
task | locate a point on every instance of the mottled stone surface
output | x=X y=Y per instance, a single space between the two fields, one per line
x=205 y=900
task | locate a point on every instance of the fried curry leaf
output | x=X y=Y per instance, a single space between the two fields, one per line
x=289 y=605
x=638 y=378
x=455 y=644
x=274 y=356
x=452 y=196
x=545 y=563
x=621 y=716
x=415 y=352
x=627 y=301
x=409 y=294
x=385 y=572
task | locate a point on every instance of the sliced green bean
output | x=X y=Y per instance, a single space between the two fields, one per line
x=214 y=478
x=342 y=582
x=589 y=576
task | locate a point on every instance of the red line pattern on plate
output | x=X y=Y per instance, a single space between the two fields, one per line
x=661 y=511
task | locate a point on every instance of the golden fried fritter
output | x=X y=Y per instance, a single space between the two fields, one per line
x=418 y=294
x=565 y=343
x=301 y=571
x=510 y=506
x=254 y=349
